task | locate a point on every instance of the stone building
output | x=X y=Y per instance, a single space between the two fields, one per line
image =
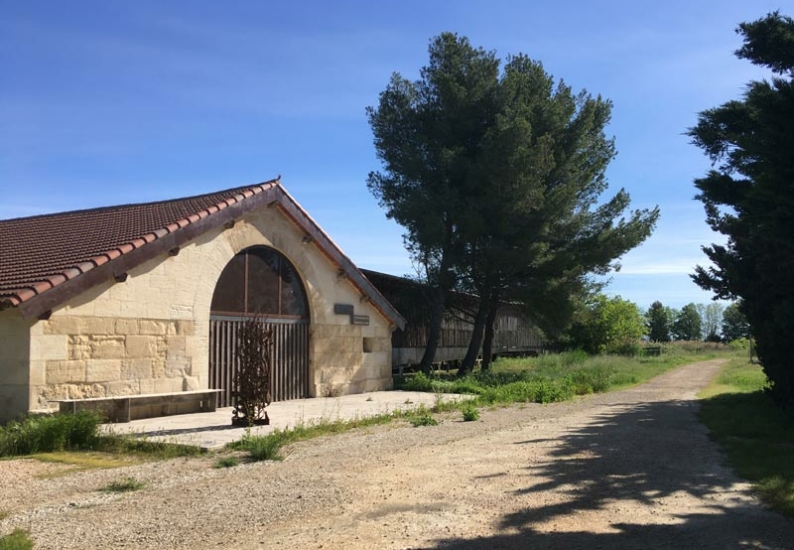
x=147 y=298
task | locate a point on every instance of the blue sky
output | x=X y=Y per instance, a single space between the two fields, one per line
x=107 y=103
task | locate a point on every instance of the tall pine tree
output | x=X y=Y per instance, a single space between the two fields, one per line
x=749 y=197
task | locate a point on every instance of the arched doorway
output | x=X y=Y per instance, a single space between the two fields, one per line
x=261 y=280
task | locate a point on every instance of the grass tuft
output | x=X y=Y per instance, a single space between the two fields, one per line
x=227 y=462
x=63 y=437
x=266 y=447
x=17 y=540
x=269 y=447
x=422 y=417
x=124 y=486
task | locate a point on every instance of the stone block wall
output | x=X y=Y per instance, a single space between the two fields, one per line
x=14 y=358
x=79 y=357
x=150 y=333
x=347 y=365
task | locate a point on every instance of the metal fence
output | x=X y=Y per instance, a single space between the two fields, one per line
x=289 y=377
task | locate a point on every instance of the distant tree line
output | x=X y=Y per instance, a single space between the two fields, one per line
x=711 y=322
x=614 y=325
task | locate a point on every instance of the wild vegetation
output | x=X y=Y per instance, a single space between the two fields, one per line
x=555 y=377
x=269 y=447
x=756 y=434
x=78 y=432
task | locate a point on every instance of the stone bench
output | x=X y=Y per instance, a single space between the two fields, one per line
x=123 y=408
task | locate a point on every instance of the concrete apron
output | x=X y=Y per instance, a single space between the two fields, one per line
x=213 y=430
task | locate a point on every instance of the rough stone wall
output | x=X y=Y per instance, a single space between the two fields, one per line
x=105 y=356
x=150 y=334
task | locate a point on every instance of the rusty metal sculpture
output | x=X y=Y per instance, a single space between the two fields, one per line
x=252 y=373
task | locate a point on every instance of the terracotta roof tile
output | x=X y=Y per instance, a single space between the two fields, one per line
x=40 y=252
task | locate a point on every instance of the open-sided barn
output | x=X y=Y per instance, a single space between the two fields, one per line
x=514 y=332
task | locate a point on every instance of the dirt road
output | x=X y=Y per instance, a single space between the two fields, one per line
x=630 y=469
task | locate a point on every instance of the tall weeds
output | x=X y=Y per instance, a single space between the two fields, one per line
x=48 y=433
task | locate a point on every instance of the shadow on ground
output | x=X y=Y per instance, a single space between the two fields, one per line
x=640 y=458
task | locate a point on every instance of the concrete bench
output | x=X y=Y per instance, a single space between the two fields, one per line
x=123 y=408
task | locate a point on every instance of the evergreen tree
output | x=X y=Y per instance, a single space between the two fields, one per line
x=496 y=177
x=749 y=197
x=658 y=322
x=428 y=135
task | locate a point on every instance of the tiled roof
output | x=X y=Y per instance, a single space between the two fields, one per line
x=42 y=253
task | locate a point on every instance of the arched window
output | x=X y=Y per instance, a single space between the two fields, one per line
x=260 y=280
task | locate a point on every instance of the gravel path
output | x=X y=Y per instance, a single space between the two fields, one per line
x=629 y=469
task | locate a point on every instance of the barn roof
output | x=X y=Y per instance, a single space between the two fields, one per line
x=46 y=260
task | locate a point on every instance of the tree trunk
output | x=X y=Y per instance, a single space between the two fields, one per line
x=476 y=338
x=487 y=344
x=437 y=305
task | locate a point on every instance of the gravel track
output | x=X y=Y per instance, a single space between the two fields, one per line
x=628 y=469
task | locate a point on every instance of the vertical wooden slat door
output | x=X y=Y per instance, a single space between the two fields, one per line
x=289 y=377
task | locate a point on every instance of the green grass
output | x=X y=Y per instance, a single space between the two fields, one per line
x=79 y=461
x=553 y=377
x=18 y=540
x=145 y=448
x=756 y=435
x=227 y=462
x=48 y=433
x=124 y=486
x=422 y=417
x=75 y=439
x=269 y=447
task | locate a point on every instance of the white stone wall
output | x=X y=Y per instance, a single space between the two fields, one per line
x=14 y=358
x=149 y=334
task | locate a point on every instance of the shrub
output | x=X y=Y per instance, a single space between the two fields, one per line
x=418 y=382
x=739 y=344
x=590 y=380
x=627 y=349
x=470 y=413
x=550 y=392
